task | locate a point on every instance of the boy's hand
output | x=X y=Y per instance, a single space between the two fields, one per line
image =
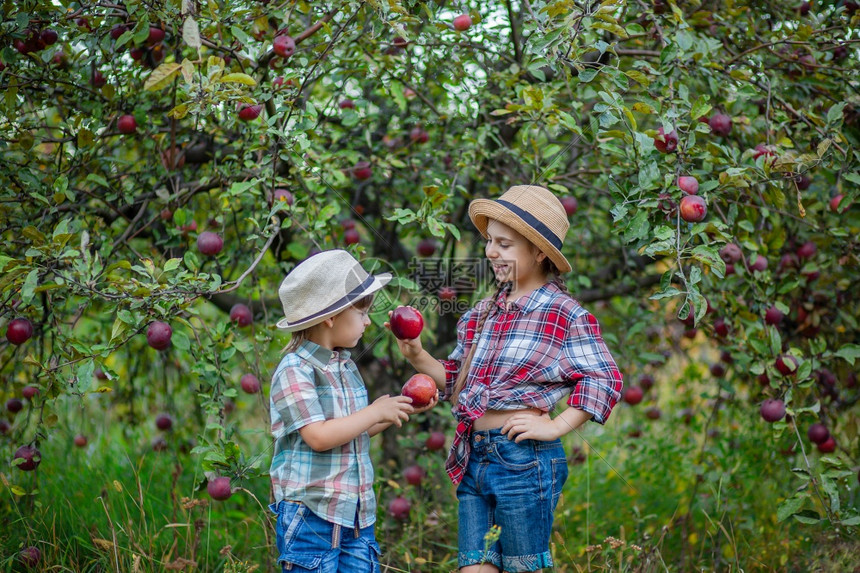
x=410 y=349
x=393 y=409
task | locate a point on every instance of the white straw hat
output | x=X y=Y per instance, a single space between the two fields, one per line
x=322 y=286
x=534 y=212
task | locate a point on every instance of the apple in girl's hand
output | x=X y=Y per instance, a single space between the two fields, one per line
x=421 y=388
x=406 y=323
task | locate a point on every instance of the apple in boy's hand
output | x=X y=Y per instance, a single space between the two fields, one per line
x=406 y=323
x=421 y=388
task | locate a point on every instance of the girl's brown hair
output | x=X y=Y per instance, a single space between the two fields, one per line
x=300 y=336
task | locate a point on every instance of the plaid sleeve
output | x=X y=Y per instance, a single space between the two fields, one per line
x=455 y=359
x=295 y=398
x=591 y=368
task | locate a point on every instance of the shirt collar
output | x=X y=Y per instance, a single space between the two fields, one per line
x=538 y=297
x=320 y=354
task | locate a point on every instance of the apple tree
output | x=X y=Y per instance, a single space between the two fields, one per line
x=165 y=164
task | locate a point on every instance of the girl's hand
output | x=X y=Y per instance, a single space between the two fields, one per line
x=392 y=409
x=410 y=349
x=429 y=406
x=521 y=427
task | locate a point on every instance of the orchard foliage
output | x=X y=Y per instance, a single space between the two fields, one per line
x=163 y=162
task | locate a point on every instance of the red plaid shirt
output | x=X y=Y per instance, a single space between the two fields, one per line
x=542 y=348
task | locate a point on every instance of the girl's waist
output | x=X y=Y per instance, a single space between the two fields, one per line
x=493 y=419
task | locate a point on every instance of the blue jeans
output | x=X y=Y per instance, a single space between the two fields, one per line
x=308 y=543
x=515 y=487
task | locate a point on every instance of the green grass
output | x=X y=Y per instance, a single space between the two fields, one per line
x=673 y=499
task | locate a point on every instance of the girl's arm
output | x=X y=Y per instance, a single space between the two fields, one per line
x=529 y=426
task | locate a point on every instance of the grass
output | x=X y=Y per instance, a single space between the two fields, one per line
x=679 y=497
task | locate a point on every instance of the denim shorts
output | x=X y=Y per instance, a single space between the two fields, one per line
x=309 y=543
x=515 y=487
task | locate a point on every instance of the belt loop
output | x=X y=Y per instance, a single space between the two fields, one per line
x=335 y=536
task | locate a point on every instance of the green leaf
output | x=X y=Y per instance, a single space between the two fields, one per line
x=172 y=264
x=28 y=289
x=808 y=517
x=849 y=353
x=789 y=507
x=700 y=107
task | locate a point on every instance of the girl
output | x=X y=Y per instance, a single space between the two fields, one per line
x=321 y=471
x=518 y=353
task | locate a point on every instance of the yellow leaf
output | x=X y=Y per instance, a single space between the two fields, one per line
x=103 y=389
x=191 y=33
x=643 y=108
x=239 y=79
x=638 y=77
x=17 y=490
x=179 y=111
x=161 y=76
x=117 y=486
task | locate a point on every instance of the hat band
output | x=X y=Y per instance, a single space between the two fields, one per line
x=350 y=297
x=533 y=222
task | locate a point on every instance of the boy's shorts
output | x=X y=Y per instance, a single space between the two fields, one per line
x=516 y=487
x=309 y=543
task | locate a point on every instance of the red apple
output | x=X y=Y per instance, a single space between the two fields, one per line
x=759 y=264
x=827 y=446
x=347 y=224
x=118 y=31
x=803 y=181
x=773 y=316
x=30 y=557
x=351 y=237
x=688 y=184
x=435 y=441
x=693 y=208
x=772 y=410
x=14 y=405
x=346 y=104
x=19 y=331
x=462 y=22
x=250 y=112
x=570 y=204
x=717 y=370
x=209 y=243
x=731 y=253
x=97 y=79
x=49 y=37
x=818 y=433
x=666 y=143
x=156 y=35
x=158 y=335
x=646 y=382
x=31 y=456
x=219 y=488
x=447 y=293
x=653 y=413
x=399 y=508
x=284 y=46
x=126 y=124
x=80 y=440
x=406 y=323
x=362 y=171
x=721 y=329
x=421 y=388
x=418 y=135
x=807 y=250
x=250 y=384
x=4 y=427
x=29 y=391
x=426 y=247
x=414 y=475
x=632 y=395
x=241 y=315
x=721 y=124
x=281 y=194
x=786 y=364
x=835 y=203
x=164 y=422
x=762 y=150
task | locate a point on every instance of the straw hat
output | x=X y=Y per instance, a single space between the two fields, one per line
x=322 y=286
x=532 y=211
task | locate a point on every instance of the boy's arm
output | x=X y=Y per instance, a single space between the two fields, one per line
x=384 y=425
x=329 y=434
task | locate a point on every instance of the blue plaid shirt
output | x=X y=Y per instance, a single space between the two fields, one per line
x=531 y=355
x=310 y=385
